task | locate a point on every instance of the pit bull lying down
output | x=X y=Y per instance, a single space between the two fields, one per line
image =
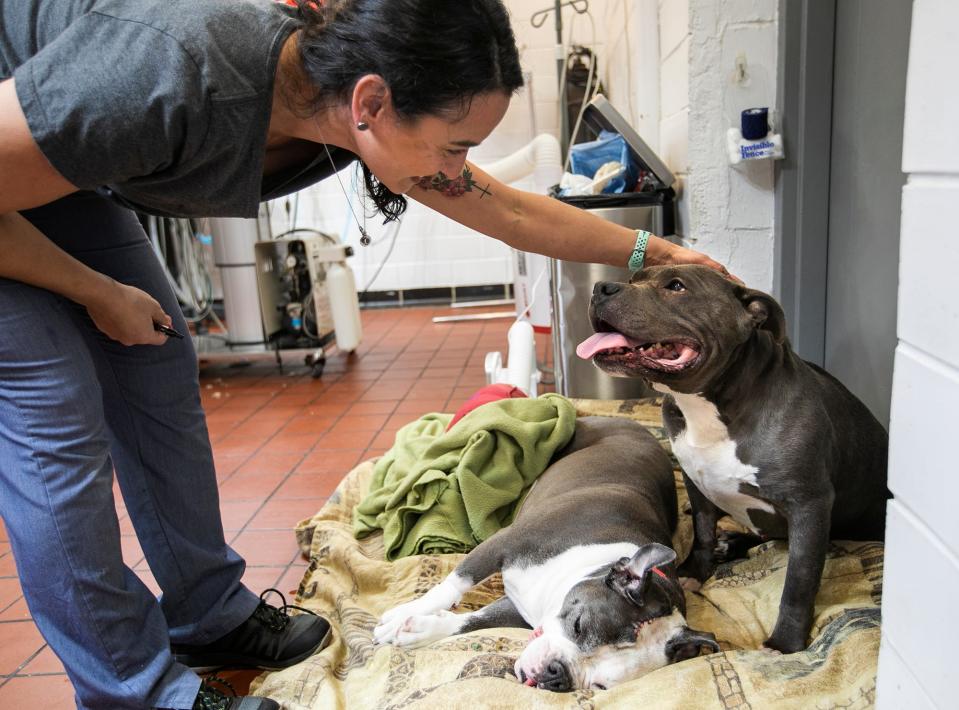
x=776 y=442
x=586 y=563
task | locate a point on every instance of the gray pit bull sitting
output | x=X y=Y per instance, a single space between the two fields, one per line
x=586 y=563
x=774 y=441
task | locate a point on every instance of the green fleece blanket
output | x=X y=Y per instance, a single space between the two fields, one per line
x=439 y=492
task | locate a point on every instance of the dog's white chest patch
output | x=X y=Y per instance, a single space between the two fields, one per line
x=538 y=591
x=708 y=456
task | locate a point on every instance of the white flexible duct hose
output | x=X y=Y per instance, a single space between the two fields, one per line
x=541 y=156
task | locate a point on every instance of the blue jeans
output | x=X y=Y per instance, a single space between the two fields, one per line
x=74 y=406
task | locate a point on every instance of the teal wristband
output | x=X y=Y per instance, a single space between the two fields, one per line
x=639 y=251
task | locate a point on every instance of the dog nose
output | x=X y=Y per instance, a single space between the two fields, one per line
x=555 y=677
x=606 y=288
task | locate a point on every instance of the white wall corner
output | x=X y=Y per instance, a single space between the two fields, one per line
x=673 y=26
x=644 y=41
x=674 y=141
x=896 y=686
x=915 y=668
x=918 y=632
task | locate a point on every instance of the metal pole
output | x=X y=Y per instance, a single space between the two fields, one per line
x=560 y=63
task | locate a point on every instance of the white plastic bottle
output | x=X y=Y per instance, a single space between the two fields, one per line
x=521 y=370
x=345 y=306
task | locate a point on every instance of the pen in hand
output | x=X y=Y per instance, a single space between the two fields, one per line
x=167 y=330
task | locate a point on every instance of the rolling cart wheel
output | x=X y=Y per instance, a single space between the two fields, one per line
x=318 y=365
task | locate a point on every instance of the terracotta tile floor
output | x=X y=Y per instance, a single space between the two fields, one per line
x=282 y=441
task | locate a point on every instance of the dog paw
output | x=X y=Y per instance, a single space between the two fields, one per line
x=782 y=643
x=732 y=545
x=699 y=565
x=690 y=584
x=417 y=607
x=416 y=631
x=392 y=620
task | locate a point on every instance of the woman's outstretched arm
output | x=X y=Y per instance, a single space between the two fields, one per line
x=541 y=224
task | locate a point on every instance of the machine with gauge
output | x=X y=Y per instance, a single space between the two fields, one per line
x=307 y=294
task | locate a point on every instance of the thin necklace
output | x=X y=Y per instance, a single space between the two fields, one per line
x=364 y=236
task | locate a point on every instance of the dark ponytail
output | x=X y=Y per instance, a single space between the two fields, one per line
x=435 y=56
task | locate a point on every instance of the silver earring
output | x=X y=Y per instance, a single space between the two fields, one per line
x=362 y=126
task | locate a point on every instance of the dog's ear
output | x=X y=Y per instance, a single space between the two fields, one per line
x=688 y=642
x=630 y=576
x=764 y=312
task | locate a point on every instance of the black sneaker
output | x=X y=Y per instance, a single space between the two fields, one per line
x=270 y=639
x=209 y=698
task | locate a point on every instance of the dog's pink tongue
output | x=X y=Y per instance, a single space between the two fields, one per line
x=601 y=341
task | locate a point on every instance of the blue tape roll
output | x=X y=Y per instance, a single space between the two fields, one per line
x=755 y=123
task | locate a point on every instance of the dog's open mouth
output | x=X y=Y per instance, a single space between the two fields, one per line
x=614 y=348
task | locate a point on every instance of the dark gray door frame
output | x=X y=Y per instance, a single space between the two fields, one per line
x=804 y=107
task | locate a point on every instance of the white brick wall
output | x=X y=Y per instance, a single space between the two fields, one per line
x=730 y=209
x=922 y=537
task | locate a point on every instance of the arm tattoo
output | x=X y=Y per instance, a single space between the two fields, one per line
x=454 y=187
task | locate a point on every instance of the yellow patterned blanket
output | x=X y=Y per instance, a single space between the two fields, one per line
x=350 y=582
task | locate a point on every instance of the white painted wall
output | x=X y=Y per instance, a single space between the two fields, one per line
x=730 y=210
x=920 y=621
x=630 y=65
x=674 y=41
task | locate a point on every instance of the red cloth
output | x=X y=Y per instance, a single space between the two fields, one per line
x=485 y=395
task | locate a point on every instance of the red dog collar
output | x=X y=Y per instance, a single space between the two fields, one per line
x=658 y=571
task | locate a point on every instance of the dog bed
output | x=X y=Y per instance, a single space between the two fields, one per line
x=350 y=582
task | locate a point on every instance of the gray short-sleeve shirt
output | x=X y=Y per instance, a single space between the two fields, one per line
x=163 y=106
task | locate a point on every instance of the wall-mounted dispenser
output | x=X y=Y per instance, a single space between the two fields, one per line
x=753 y=140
